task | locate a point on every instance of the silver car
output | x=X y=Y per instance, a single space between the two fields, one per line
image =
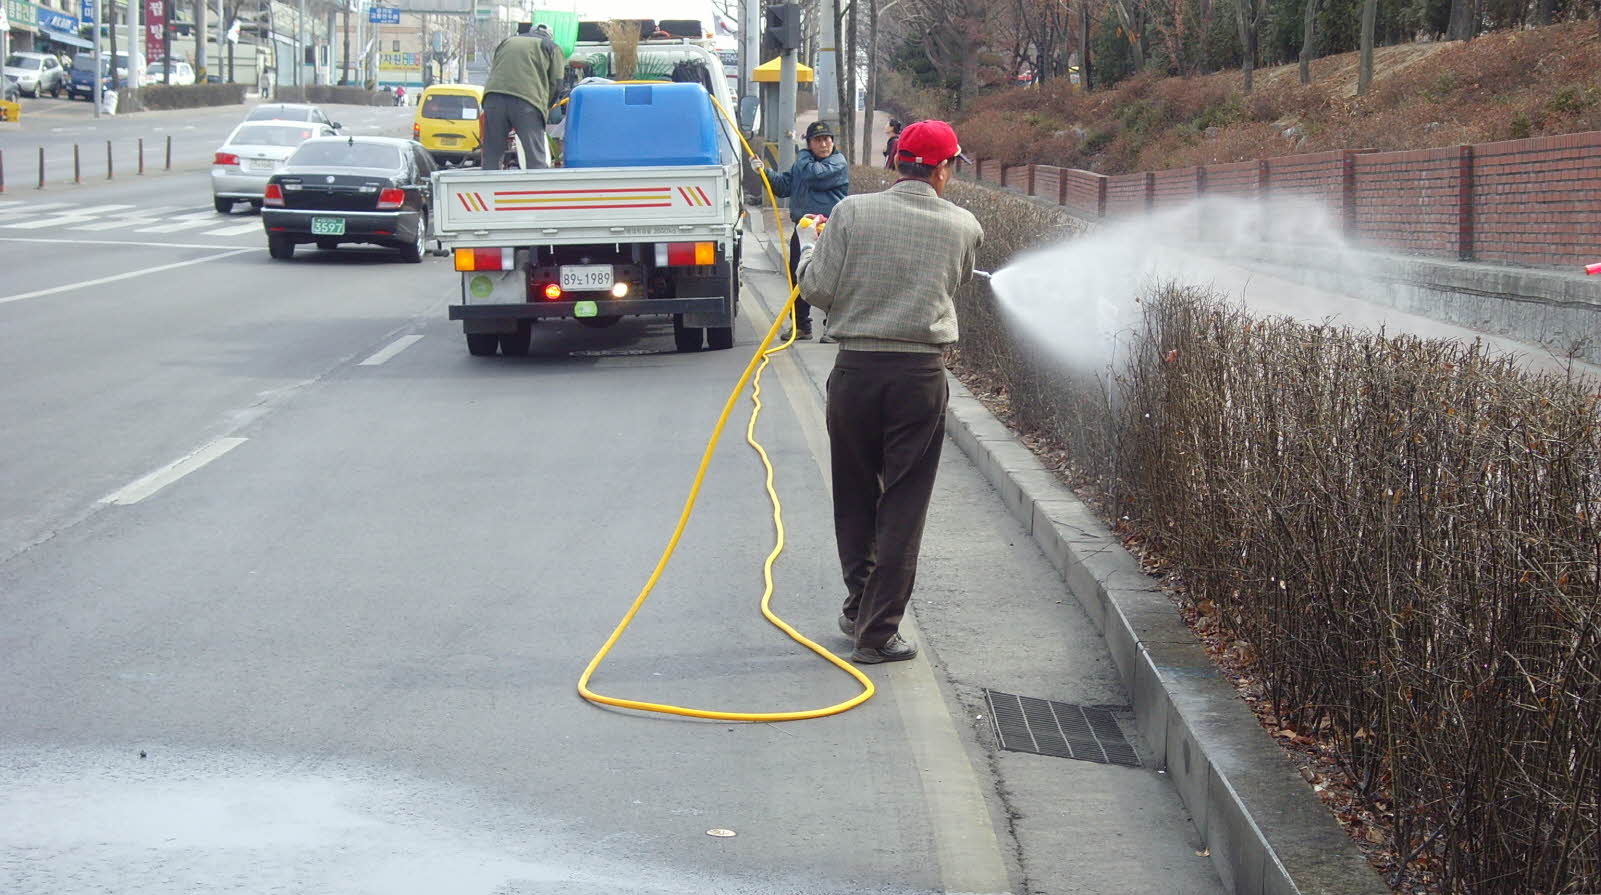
x=254 y=152
x=36 y=73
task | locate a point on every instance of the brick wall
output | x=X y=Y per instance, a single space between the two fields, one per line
x=1532 y=201
x=1538 y=201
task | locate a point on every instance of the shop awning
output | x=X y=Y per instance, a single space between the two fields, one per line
x=65 y=38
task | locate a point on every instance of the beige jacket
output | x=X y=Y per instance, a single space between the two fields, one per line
x=887 y=266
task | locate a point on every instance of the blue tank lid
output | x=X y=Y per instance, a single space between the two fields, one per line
x=637 y=125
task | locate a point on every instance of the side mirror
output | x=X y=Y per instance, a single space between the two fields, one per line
x=336 y=125
x=748 y=107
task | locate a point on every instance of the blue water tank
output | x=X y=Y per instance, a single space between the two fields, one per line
x=635 y=125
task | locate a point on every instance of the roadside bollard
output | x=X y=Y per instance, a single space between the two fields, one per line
x=169 y=152
x=41 y=167
x=141 y=156
x=2 y=170
x=108 y=159
x=77 y=169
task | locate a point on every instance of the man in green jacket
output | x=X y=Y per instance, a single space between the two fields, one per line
x=523 y=77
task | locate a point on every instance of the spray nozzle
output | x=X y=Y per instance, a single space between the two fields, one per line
x=983 y=274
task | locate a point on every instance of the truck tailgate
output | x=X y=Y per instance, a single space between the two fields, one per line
x=599 y=204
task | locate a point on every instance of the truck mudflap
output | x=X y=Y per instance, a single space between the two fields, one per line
x=714 y=309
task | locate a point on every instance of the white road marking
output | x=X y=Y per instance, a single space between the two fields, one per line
x=118 y=242
x=186 y=222
x=237 y=230
x=121 y=276
x=394 y=348
x=31 y=207
x=65 y=218
x=172 y=472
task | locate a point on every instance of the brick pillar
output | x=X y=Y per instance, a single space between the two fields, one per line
x=1264 y=194
x=1348 y=192
x=1464 y=203
x=1031 y=178
x=1062 y=180
x=1150 y=191
x=1100 y=196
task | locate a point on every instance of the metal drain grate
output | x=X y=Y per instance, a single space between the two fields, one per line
x=1087 y=733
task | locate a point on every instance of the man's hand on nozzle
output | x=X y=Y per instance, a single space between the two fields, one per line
x=756 y=165
x=808 y=229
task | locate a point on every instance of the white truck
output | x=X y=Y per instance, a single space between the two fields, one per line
x=644 y=218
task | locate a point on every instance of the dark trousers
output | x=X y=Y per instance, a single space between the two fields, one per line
x=886 y=424
x=504 y=113
x=803 y=308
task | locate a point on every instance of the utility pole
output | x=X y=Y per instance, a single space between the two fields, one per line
x=750 y=41
x=100 y=61
x=826 y=77
x=201 y=7
x=300 y=44
x=787 y=84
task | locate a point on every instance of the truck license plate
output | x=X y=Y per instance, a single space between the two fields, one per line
x=586 y=277
x=328 y=226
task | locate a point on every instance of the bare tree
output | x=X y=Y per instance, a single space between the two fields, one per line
x=1308 y=40
x=848 y=103
x=1370 y=15
x=1249 y=14
x=952 y=34
x=1131 y=16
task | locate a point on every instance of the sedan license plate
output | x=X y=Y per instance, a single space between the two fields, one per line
x=328 y=226
x=586 y=277
x=262 y=164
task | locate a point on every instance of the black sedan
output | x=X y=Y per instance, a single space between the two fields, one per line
x=336 y=190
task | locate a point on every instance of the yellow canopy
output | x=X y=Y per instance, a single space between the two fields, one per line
x=767 y=72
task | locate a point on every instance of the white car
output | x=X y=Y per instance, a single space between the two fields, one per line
x=252 y=153
x=156 y=73
x=36 y=72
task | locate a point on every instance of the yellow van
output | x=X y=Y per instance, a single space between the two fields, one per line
x=446 y=122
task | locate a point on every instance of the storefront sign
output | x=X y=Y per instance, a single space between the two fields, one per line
x=23 y=15
x=155 y=28
x=58 y=21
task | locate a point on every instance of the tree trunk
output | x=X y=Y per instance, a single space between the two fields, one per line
x=1370 y=15
x=869 y=118
x=849 y=103
x=1084 y=45
x=1245 y=15
x=1308 y=41
x=200 y=41
x=344 y=58
x=111 y=64
x=1458 y=26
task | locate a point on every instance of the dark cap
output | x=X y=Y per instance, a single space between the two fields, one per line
x=819 y=129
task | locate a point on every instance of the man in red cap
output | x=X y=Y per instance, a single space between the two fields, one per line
x=886 y=269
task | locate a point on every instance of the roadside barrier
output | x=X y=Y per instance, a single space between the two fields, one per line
x=77 y=162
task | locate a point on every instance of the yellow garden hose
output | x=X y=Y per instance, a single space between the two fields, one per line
x=752 y=375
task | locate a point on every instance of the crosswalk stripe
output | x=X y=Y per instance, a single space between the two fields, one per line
x=252 y=227
x=187 y=222
x=143 y=217
x=30 y=207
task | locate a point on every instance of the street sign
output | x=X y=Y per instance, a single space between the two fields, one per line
x=86 y=11
x=384 y=15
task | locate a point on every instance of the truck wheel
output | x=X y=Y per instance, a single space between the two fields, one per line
x=719 y=338
x=516 y=344
x=223 y=206
x=482 y=344
x=281 y=247
x=686 y=338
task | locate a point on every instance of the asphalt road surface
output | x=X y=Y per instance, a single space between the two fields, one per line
x=296 y=593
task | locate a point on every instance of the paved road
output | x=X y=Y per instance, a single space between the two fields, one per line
x=56 y=125
x=296 y=594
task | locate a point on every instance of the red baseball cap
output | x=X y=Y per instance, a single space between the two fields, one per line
x=929 y=143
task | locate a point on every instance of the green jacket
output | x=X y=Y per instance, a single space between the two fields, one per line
x=529 y=68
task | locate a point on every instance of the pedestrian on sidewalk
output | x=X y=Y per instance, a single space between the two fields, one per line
x=814 y=184
x=885 y=270
x=526 y=71
x=893 y=131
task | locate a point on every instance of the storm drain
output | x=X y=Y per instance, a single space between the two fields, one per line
x=1087 y=733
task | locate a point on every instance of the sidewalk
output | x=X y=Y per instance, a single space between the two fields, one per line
x=991 y=612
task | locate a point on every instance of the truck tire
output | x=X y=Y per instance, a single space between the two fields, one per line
x=223 y=206
x=516 y=344
x=719 y=338
x=686 y=338
x=482 y=344
x=281 y=247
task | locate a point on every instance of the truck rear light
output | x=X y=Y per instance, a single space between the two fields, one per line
x=274 y=196
x=225 y=158
x=416 y=132
x=686 y=254
x=552 y=291
x=391 y=198
x=484 y=259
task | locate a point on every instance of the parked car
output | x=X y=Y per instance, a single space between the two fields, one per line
x=446 y=122
x=351 y=190
x=291 y=112
x=9 y=91
x=252 y=153
x=80 y=76
x=156 y=73
x=36 y=73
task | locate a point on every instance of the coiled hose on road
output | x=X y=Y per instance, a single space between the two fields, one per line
x=751 y=376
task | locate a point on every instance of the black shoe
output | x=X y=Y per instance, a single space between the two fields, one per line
x=847 y=626
x=805 y=336
x=898 y=649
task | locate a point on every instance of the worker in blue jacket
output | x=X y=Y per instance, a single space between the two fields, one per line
x=816 y=182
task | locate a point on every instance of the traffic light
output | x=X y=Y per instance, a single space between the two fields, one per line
x=783 y=29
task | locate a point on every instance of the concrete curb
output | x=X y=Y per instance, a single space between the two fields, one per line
x=1268 y=834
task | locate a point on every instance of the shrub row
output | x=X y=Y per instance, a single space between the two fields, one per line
x=181 y=96
x=1406 y=534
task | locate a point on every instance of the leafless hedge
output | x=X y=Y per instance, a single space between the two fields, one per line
x=1405 y=531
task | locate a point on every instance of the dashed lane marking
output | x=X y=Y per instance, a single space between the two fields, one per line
x=121 y=276
x=172 y=472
